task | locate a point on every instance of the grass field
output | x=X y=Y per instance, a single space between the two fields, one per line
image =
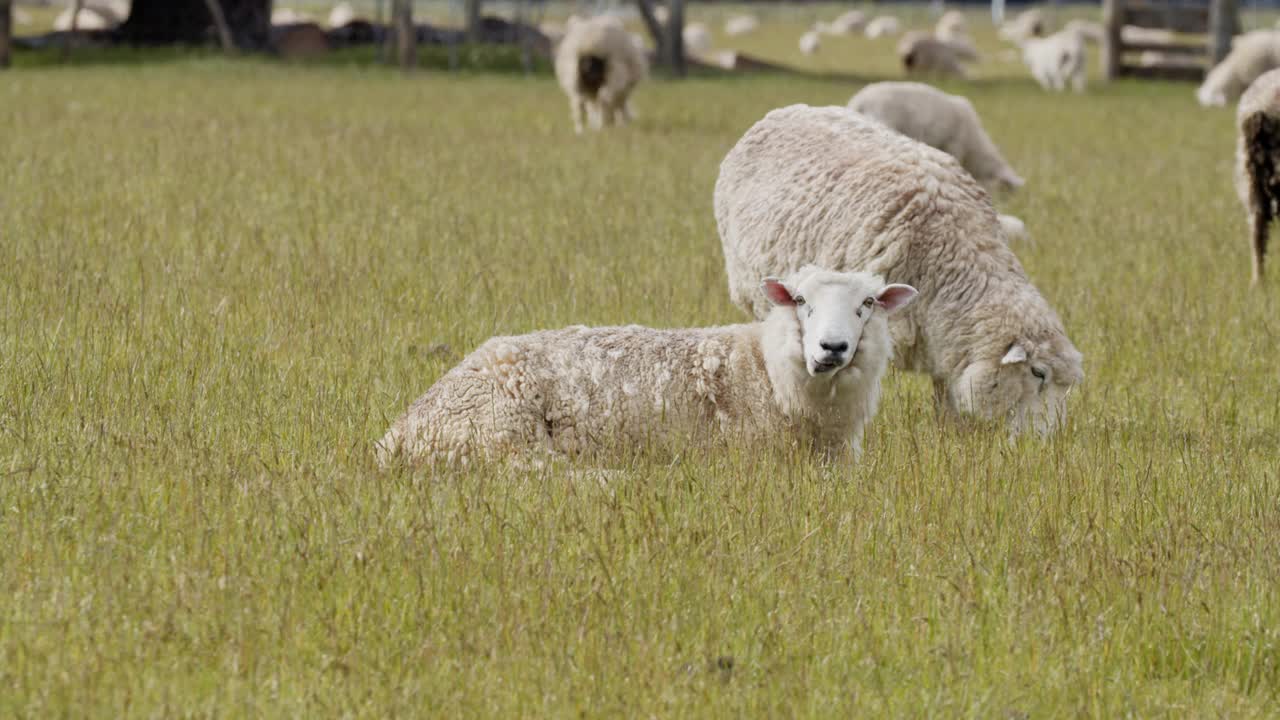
x=221 y=280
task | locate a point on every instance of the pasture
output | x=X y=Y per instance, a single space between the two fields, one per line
x=221 y=280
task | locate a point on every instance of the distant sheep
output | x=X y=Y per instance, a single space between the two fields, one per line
x=1014 y=229
x=1029 y=24
x=810 y=370
x=289 y=16
x=849 y=23
x=741 y=25
x=883 y=26
x=341 y=15
x=1092 y=32
x=947 y=122
x=951 y=26
x=1258 y=161
x=1252 y=54
x=697 y=38
x=810 y=42
x=1056 y=60
x=92 y=16
x=828 y=186
x=924 y=54
x=598 y=66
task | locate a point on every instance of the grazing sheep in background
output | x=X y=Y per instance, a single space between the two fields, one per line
x=341 y=15
x=1258 y=161
x=90 y=17
x=811 y=369
x=1056 y=60
x=849 y=23
x=1252 y=54
x=830 y=187
x=924 y=54
x=1014 y=229
x=1029 y=24
x=810 y=42
x=697 y=38
x=947 y=122
x=289 y=16
x=883 y=26
x=598 y=65
x=741 y=25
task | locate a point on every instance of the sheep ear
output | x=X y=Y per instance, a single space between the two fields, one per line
x=777 y=292
x=1012 y=179
x=895 y=297
x=1016 y=354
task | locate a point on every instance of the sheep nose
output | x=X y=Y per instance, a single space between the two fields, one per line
x=834 y=347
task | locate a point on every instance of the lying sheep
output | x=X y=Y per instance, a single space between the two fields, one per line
x=1056 y=60
x=947 y=122
x=827 y=186
x=598 y=65
x=810 y=370
x=741 y=25
x=1258 y=161
x=1252 y=54
x=924 y=54
x=1029 y=24
x=810 y=42
x=883 y=26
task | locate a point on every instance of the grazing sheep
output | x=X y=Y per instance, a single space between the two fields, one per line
x=883 y=26
x=947 y=122
x=697 y=38
x=849 y=23
x=598 y=65
x=1252 y=54
x=1029 y=24
x=828 y=186
x=1057 y=59
x=811 y=370
x=1258 y=161
x=924 y=54
x=741 y=25
x=810 y=42
x=289 y=16
x=341 y=15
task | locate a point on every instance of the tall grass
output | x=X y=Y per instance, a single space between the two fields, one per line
x=220 y=281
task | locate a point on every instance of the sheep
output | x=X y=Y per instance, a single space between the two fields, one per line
x=811 y=369
x=1014 y=229
x=289 y=16
x=828 y=186
x=1258 y=161
x=697 y=39
x=924 y=54
x=1057 y=59
x=883 y=26
x=947 y=122
x=810 y=42
x=1252 y=54
x=598 y=66
x=91 y=17
x=741 y=25
x=849 y=23
x=1028 y=24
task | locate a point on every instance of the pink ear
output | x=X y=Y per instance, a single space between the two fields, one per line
x=895 y=297
x=777 y=293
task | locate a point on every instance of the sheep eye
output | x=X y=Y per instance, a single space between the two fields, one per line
x=868 y=302
x=1038 y=373
x=799 y=300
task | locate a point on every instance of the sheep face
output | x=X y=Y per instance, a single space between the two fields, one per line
x=1028 y=386
x=832 y=310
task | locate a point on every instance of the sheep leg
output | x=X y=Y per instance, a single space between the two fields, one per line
x=577 y=108
x=1260 y=229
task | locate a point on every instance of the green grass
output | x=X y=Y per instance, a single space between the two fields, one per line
x=221 y=280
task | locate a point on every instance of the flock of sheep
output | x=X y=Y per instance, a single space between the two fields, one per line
x=816 y=208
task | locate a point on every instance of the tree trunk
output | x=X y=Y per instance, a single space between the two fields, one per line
x=406 y=34
x=76 y=7
x=167 y=22
x=675 y=39
x=220 y=22
x=655 y=29
x=6 y=31
x=473 y=20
